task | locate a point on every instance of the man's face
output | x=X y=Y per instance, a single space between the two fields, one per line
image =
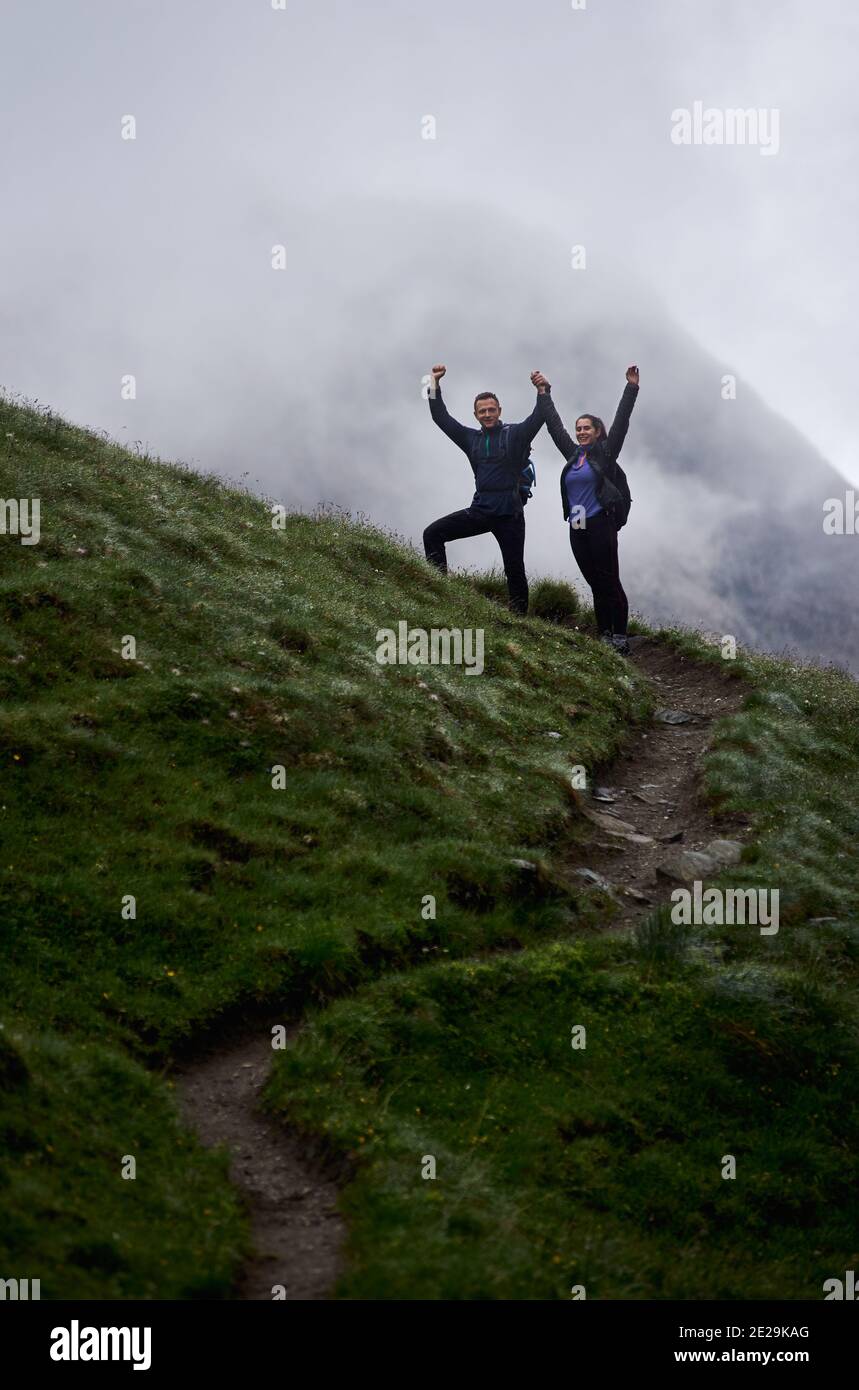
x=488 y=411
x=586 y=431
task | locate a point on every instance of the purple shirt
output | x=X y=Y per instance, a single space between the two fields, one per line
x=582 y=489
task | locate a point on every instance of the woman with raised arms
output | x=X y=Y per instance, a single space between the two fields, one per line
x=596 y=501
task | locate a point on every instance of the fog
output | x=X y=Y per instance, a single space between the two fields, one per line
x=303 y=127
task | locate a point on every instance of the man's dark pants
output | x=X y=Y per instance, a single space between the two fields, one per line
x=509 y=531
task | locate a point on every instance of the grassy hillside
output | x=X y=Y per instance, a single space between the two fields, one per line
x=602 y=1167
x=152 y=778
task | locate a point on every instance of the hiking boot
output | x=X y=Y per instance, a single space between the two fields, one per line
x=620 y=642
x=607 y=638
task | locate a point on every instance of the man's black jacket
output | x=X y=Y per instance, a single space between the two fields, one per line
x=611 y=489
x=497 y=456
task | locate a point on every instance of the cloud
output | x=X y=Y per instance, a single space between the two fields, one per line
x=303 y=127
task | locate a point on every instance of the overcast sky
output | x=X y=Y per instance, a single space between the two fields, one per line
x=303 y=126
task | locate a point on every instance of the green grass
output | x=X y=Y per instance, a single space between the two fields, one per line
x=442 y=1033
x=599 y=1166
x=72 y=1114
x=788 y=760
x=550 y=599
x=558 y=1167
x=151 y=778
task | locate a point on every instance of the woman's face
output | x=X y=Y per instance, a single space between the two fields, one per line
x=586 y=431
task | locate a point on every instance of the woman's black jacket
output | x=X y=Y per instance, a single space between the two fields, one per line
x=612 y=490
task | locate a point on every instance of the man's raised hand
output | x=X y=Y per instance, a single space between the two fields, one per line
x=540 y=381
x=632 y=375
x=437 y=373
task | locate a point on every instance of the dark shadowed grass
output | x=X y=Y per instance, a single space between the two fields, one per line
x=249 y=807
x=604 y=1168
x=595 y=1158
x=214 y=794
x=553 y=600
x=662 y=942
x=104 y=1195
x=788 y=759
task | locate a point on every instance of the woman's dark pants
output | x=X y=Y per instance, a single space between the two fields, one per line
x=595 y=549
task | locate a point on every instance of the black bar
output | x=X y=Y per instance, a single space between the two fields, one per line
x=250 y=1338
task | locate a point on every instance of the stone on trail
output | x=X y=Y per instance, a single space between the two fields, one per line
x=590 y=876
x=685 y=865
x=725 y=851
x=674 y=716
x=607 y=820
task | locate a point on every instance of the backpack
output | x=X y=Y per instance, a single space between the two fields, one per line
x=527 y=480
x=621 y=509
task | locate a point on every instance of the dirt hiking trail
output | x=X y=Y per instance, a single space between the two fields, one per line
x=650 y=833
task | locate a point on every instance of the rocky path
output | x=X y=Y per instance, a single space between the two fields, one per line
x=651 y=831
x=648 y=827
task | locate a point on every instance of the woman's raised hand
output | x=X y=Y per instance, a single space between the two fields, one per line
x=540 y=381
x=632 y=375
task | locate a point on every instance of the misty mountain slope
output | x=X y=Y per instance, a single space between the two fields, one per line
x=794 y=590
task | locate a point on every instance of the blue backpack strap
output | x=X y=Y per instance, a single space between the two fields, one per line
x=527 y=479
